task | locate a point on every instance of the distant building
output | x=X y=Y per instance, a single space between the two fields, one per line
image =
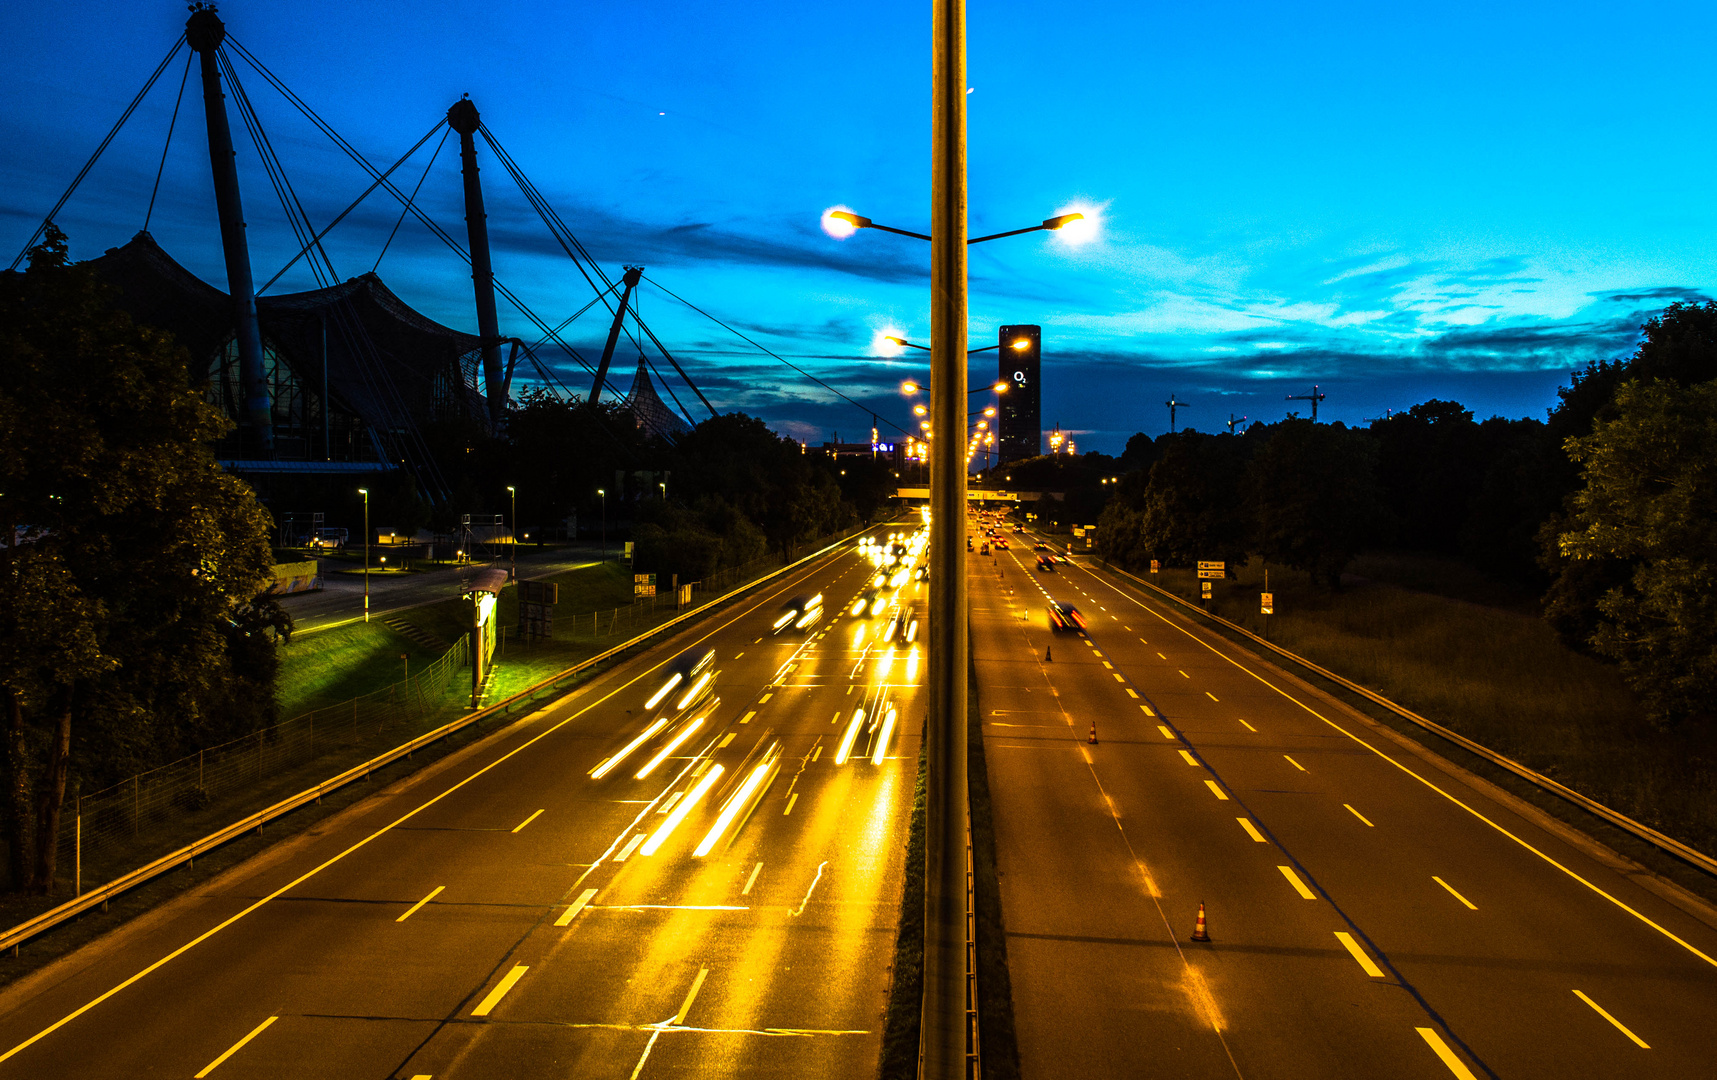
x=1019 y=363
x=893 y=453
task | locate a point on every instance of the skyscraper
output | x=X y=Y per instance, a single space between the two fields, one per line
x=1020 y=357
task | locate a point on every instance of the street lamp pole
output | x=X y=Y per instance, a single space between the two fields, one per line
x=514 y=522
x=943 y=1036
x=604 y=496
x=365 y=492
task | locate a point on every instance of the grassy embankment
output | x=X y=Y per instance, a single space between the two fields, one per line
x=1475 y=656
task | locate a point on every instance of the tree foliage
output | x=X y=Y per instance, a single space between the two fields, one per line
x=1649 y=501
x=129 y=562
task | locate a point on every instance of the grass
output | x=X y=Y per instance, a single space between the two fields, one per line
x=1476 y=657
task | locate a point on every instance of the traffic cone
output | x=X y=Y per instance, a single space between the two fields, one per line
x=1093 y=738
x=1199 y=933
x=1046 y=657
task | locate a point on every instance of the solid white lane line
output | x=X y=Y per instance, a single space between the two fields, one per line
x=791 y=799
x=723 y=743
x=1211 y=696
x=235 y=1047
x=1470 y=905
x=1360 y=816
x=412 y=910
x=691 y=996
x=1252 y=830
x=1299 y=886
x=1247 y=726
x=752 y=880
x=1359 y=954
x=1167 y=734
x=1216 y=790
x=1190 y=760
x=631 y=846
x=500 y=991
x=1441 y=1048
x=575 y=907
x=1621 y=1027
x=1295 y=764
x=527 y=821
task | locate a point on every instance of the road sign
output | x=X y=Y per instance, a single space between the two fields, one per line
x=1266 y=603
x=1216 y=570
x=643 y=584
x=1206 y=589
x=1156 y=565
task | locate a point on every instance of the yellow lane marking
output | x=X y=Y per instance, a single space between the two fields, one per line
x=1215 y=790
x=412 y=910
x=724 y=742
x=1359 y=954
x=1360 y=816
x=1190 y=760
x=575 y=907
x=500 y=991
x=1299 y=886
x=1132 y=693
x=1183 y=674
x=1211 y=696
x=1617 y=901
x=746 y=719
x=1148 y=710
x=737 y=655
x=1251 y=830
x=260 y=1028
x=691 y=995
x=1470 y=905
x=752 y=880
x=1167 y=734
x=1108 y=665
x=1295 y=764
x=1160 y=656
x=631 y=846
x=791 y=799
x=1119 y=677
x=765 y=697
x=1441 y=1048
x=816 y=751
x=1599 y=1009
x=1247 y=726
x=527 y=821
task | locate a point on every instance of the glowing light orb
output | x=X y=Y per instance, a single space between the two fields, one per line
x=836 y=227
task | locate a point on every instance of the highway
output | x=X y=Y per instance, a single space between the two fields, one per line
x=1372 y=911
x=505 y=913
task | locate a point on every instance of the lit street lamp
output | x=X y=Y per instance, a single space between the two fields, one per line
x=843 y=223
x=604 y=496
x=365 y=492
x=514 y=521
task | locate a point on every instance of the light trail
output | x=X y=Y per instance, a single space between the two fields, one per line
x=673 y=744
x=656 y=698
x=685 y=807
x=849 y=735
x=691 y=693
x=882 y=739
x=738 y=801
x=608 y=766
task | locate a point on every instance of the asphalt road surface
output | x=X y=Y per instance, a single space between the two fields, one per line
x=504 y=914
x=1372 y=911
x=341 y=598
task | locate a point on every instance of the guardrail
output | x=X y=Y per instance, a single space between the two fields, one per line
x=1622 y=821
x=47 y=920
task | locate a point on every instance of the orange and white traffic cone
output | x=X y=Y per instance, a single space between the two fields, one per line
x=1093 y=737
x=1199 y=933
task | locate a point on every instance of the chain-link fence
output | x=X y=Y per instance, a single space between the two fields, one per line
x=343 y=734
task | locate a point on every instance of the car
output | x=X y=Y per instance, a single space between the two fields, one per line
x=984 y=549
x=968 y=543
x=799 y=613
x=692 y=674
x=1064 y=616
x=1062 y=559
x=902 y=627
x=1046 y=564
x=870 y=602
x=1040 y=546
x=1002 y=542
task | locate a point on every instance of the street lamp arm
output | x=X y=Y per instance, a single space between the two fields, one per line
x=859 y=221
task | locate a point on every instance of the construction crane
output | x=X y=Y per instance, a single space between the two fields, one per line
x=1173 y=405
x=1314 y=397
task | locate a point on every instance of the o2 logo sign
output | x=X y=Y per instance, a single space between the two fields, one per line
x=1019 y=377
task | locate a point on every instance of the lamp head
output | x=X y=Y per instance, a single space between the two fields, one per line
x=909 y=387
x=1001 y=387
x=1054 y=223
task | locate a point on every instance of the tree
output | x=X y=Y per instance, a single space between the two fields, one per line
x=1189 y=506
x=1649 y=501
x=129 y=562
x=1315 y=498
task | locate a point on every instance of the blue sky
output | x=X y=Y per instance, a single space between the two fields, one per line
x=1453 y=200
